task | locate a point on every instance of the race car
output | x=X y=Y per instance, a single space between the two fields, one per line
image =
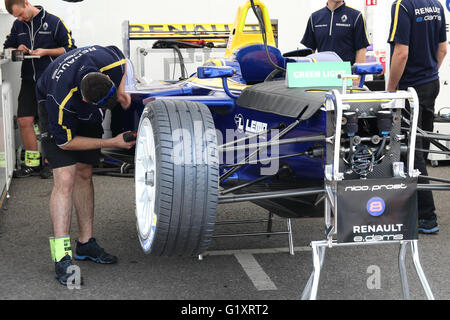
x=234 y=132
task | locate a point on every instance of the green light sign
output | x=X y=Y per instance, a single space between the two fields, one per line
x=320 y=74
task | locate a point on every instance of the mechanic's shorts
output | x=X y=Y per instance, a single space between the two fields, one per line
x=59 y=158
x=28 y=106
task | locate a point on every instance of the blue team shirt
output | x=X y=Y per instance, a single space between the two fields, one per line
x=59 y=88
x=44 y=31
x=419 y=24
x=342 y=31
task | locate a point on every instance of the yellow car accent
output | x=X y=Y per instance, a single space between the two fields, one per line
x=217 y=83
x=214 y=32
x=216 y=62
x=239 y=38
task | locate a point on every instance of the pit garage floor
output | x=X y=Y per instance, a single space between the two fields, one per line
x=245 y=268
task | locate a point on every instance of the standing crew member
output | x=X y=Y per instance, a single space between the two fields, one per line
x=74 y=93
x=39 y=33
x=418 y=46
x=340 y=29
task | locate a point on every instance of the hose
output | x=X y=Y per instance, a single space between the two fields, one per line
x=264 y=36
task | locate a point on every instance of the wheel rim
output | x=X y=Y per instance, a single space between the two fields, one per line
x=145 y=182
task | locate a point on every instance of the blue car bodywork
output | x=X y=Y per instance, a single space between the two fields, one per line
x=251 y=105
x=258 y=124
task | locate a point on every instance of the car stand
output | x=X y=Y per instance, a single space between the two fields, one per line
x=318 y=252
x=336 y=201
x=269 y=231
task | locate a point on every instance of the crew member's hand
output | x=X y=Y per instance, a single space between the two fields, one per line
x=119 y=142
x=24 y=48
x=125 y=100
x=39 y=52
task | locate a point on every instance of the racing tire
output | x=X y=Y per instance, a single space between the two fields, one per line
x=176 y=178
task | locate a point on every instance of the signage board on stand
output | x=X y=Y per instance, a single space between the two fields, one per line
x=377 y=210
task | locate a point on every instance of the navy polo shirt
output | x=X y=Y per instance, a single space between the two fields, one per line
x=45 y=31
x=342 y=31
x=419 y=24
x=58 y=89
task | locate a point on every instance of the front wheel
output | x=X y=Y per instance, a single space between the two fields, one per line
x=176 y=178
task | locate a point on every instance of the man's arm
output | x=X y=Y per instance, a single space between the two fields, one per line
x=63 y=37
x=64 y=40
x=361 y=55
x=122 y=97
x=398 y=64
x=80 y=143
x=441 y=53
x=11 y=41
x=56 y=52
x=61 y=125
x=360 y=39
x=308 y=39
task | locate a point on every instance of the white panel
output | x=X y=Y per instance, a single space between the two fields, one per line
x=3 y=151
x=163 y=64
x=2 y=7
x=8 y=126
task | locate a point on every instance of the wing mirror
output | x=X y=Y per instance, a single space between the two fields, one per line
x=367 y=68
x=218 y=72
x=208 y=72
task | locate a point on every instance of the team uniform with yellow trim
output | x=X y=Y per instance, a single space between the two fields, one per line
x=420 y=25
x=342 y=31
x=45 y=31
x=62 y=112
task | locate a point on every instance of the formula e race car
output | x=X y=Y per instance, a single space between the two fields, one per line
x=235 y=131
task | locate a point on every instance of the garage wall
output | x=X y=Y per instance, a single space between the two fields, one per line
x=99 y=21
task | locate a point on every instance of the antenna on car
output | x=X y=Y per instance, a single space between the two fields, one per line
x=264 y=35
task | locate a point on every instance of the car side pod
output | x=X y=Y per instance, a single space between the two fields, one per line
x=209 y=72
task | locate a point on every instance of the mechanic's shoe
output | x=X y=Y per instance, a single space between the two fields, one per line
x=61 y=272
x=428 y=226
x=26 y=171
x=92 y=251
x=46 y=172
